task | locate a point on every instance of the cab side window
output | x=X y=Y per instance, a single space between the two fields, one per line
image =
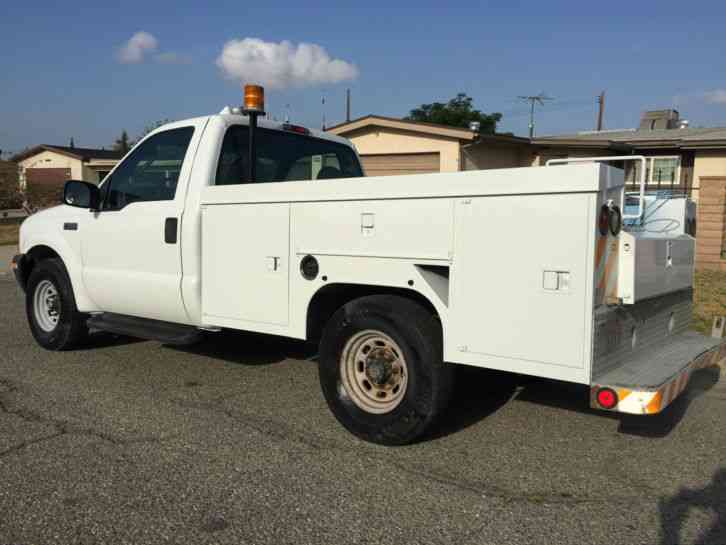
x=151 y=172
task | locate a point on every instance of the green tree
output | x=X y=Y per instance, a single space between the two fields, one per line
x=458 y=112
x=122 y=143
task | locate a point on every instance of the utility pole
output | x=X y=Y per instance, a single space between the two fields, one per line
x=347 y=105
x=534 y=99
x=601 y=110
x=323 y=104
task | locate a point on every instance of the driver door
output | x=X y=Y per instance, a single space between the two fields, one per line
x=131 y=248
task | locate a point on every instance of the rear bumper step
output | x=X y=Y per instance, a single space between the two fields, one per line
x=652 y=379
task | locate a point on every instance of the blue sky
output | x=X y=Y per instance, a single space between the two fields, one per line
x=62 y=77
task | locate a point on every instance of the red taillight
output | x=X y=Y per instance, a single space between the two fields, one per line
x=295 y=128
x=607 y=398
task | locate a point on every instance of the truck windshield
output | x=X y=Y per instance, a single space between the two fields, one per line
x=284 y=156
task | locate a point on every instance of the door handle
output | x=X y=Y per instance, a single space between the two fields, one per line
x=170 y=228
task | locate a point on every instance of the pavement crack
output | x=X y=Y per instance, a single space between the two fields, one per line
x=491 y=492
x=62 y=427
x=264 y=426
x=29 y=442
x=279 y=431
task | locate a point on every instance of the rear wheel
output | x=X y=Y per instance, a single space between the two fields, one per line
x=381 y=369
x=51 y=308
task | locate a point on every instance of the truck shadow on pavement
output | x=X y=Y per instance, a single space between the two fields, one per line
x=103 y=339
x=244 y=348
x=675 y=510
x=661 y=424
x=478 y=393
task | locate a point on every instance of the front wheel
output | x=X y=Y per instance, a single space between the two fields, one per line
x=51 y=308
x=381 y=369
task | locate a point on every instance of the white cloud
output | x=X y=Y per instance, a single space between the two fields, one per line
x=135 y=49
x=282 y=65
x=717 y=96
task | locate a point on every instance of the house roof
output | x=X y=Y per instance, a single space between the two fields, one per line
x=84 y=154
x=402 y=124
x=690 y=138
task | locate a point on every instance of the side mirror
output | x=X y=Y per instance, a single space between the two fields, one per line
x=81 y=194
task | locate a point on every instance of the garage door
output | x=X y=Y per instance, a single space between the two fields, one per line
x=44 y=186
x=391 y=164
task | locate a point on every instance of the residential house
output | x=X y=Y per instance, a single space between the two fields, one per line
x=45 y=168
x=680 y=158
x=390 y=146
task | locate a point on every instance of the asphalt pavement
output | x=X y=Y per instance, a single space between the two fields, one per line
x=231 y=442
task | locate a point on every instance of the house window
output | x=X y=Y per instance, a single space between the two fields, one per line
x=663 y=170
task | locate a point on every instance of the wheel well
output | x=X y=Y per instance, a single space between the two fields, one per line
x=330 y=298
x=35 y=256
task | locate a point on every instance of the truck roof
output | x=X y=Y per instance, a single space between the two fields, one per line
x=238 y=119
x=229 y=118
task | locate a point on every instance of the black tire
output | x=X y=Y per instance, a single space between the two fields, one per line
x=71 y=330
x=418 y=333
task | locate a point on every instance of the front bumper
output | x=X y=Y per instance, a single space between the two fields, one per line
x=19 y=265
x=651 y=382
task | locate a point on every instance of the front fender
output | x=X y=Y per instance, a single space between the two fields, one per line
x=71 y=259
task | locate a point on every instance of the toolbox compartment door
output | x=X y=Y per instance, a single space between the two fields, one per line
x=245 y=268
x=522 y=283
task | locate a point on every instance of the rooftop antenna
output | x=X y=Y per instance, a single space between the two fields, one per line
x=534 y=99
x=287 y=113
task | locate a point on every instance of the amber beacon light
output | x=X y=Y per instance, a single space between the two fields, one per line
x=254 y=99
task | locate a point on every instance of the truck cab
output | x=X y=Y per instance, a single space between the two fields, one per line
x=229 y=221
x=127 y=255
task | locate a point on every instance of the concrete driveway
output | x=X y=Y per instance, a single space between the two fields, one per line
x=231 y=442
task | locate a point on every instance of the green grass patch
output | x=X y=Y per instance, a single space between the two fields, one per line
x=709 y=299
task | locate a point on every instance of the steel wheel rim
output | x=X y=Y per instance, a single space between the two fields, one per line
x=374 y=371
x=46 y=306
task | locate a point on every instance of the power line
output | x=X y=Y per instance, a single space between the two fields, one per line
x=534 y=99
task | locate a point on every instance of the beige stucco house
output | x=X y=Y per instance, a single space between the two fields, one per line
x=678 y=155
x=61 y=163
x=45 y=168
x=679 y=158
x=390 y=146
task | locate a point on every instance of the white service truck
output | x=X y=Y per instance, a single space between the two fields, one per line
x=216 y=222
